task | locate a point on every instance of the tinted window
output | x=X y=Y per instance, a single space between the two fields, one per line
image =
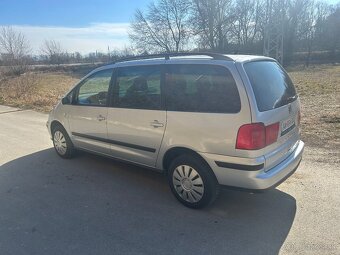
x=271 y=84
x=94 y=90
x=201 y=88
x=138 y=87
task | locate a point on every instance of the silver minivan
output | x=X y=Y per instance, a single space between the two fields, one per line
x=206 y=120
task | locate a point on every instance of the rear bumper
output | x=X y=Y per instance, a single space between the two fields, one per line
x=249 y=173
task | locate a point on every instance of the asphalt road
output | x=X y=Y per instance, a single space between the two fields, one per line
x=94 y=205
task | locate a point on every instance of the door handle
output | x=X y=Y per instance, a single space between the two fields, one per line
x=101 y=118
x=156 y=124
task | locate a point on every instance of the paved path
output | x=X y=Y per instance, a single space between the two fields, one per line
x=93 y=205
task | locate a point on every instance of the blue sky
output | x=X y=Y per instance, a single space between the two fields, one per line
x=67 y=13
x=83 y=26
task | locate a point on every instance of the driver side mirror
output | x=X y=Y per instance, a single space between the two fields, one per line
x=65 y=100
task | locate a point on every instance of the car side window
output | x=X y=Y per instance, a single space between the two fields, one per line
x=94 y=90
x=201 y=88
x=138 y=87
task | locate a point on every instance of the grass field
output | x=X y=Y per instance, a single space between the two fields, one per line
x=319 y=91
x=38 y=91
x=318 y=87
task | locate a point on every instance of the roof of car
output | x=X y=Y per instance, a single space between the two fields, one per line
x=185 y=56
x=193 y=55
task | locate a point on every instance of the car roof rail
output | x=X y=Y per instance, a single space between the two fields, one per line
x=167 y=56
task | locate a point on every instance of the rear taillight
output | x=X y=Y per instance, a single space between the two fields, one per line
x=256 y=136
x=271 y=133
x=251 y=137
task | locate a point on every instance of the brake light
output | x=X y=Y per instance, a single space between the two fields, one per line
x=256 y=136
x=271 y=133
x=251 y=137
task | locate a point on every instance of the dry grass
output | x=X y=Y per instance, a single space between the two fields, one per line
x=319 y=90
x=39 y=91
x=318 y=87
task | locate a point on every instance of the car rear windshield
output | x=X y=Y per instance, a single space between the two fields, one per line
x=271 y=84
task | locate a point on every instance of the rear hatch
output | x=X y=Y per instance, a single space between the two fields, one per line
x=276 y=103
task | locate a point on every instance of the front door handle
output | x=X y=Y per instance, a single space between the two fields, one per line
x=156 y=124
x=101 y=118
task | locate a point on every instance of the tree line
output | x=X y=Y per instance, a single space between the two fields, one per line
x=16 y=53
x=236 y=26
x=310 y=30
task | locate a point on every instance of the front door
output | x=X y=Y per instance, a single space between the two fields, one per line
x=88 y=115
x=136 y=120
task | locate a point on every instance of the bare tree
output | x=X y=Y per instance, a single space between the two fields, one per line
x=14 y=49
x=53 y=50
x=247 y=24
x=212 y=21
x=295 y=11
x=333 y=32
x=162 y=28
x=306 y=32
x=323 y=10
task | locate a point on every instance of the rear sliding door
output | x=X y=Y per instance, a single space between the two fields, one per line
x=136 y=120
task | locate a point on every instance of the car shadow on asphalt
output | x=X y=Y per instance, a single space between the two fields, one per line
x=94 y=205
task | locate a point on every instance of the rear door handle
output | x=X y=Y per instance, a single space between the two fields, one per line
x=156 y=124
x=101 y=118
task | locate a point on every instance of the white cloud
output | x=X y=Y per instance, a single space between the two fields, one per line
x=96 y=36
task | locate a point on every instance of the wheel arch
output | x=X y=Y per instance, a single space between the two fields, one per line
x=55 y=123
x=175 y=152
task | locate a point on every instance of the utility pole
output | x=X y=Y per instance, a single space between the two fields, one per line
x=274 y=29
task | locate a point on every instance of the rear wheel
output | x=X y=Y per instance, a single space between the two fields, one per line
x=192 y=181
x=62 y=142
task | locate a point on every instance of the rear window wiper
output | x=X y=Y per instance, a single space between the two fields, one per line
x=284 y=101
x=290 y=99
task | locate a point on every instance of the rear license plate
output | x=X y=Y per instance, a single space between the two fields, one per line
x=287 y=125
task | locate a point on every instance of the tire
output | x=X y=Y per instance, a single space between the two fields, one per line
x=192 y=181
x=62 y=142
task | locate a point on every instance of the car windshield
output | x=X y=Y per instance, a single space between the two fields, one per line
x=271 y=84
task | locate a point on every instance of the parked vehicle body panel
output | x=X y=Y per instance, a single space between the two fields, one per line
x=236 y=117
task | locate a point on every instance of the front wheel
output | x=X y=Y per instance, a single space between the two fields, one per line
x=62 y=142
x=192 y=181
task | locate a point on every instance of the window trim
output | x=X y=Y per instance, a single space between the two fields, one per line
x=115 y=84
x=167 y=71
x=75 y=90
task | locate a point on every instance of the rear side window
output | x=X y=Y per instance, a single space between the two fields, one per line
x=271 y=84
x=138 y=87
x=201 y=88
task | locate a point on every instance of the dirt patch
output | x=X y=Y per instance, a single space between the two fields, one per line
x=319 y=90
x=330 y=119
